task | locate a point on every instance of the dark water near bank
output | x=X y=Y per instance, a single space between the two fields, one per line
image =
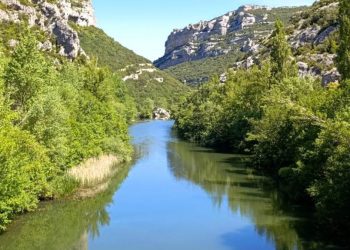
x=176 y=196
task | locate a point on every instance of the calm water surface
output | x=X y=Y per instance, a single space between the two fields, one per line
x=175 y=196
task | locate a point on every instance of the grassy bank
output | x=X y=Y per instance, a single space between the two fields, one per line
x=93 y=176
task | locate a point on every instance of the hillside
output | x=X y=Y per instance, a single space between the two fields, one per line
x=149 y=86
x=193 y=54
x=312 y=35
x=311 y=32
x=67 y=29
x=109 y=52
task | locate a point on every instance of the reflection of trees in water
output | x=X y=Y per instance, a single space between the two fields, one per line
x=62 y=224
x=142 y=149
x=225 y=176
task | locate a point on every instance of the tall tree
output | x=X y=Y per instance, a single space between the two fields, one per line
x=26 y=72
x=344 y=47
x=281 y=65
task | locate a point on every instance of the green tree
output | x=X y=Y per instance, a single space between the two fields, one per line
x=2 y=66
x=47 y=120
x=26 y=73
x=281 y=63
x=344 y=46
x=331 y=185
x=146 y=109
x=25 y=169
x=53 y=117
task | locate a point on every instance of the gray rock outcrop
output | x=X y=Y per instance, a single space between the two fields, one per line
x=216 y=37
x=324 y=34
x=46 y=46
x=161 y=114
x=13 y=43
x=243 y=37
x=332 y=76
x=250 y=46
x=246 y=63
x=53 y=19
x=314 y=33
x=326 y=71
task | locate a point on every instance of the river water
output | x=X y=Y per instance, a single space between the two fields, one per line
x=174 y=196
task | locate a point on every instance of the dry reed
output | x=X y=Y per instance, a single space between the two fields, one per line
x=95 y=170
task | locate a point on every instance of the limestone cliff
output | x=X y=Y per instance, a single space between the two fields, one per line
x=236 y=30
x=239 y=38
x=313 y=38
x=53 y=17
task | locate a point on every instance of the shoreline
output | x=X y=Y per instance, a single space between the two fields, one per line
x=94 y=175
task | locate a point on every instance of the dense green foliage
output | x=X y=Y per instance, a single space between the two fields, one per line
x=344 y=47
x=197 y=72
x=280 y=53
x=53 y=116
x=317 y=14
x=149 y=93
x=296 y=130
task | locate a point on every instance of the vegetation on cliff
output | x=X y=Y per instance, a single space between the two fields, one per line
x=296 y=130
x=223 y=51
x=151 y=89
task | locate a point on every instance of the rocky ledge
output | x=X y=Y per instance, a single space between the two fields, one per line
x=215 y=37
x=316 y=63
x=53 y=18
x=161 y=114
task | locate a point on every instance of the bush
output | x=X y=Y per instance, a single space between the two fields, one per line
x=331 y=187
x=24 y=174
x=53 y=117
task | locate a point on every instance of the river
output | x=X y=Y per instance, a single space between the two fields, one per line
x=174 y=196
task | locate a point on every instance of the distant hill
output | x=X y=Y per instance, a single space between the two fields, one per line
x=149 y=85
x=98 y=44
x=193 y=54
x=240 y=39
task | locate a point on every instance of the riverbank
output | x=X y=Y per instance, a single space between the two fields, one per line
x=172 y=190
x=64 y=223
x=93 y=176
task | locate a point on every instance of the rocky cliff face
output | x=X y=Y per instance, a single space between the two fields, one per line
x=238 y=40
x=52 y=17
x=312 y=38
x=236 y=30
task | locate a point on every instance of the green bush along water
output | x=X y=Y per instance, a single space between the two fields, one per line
x=54 y=114
x=295 y=130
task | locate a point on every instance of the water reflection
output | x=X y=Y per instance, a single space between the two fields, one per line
x=177 y=196
x=226 y=177
x=62 y=225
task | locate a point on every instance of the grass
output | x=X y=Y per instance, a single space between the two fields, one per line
x=94 y=171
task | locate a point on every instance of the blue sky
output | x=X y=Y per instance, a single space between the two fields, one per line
x=144 y=25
